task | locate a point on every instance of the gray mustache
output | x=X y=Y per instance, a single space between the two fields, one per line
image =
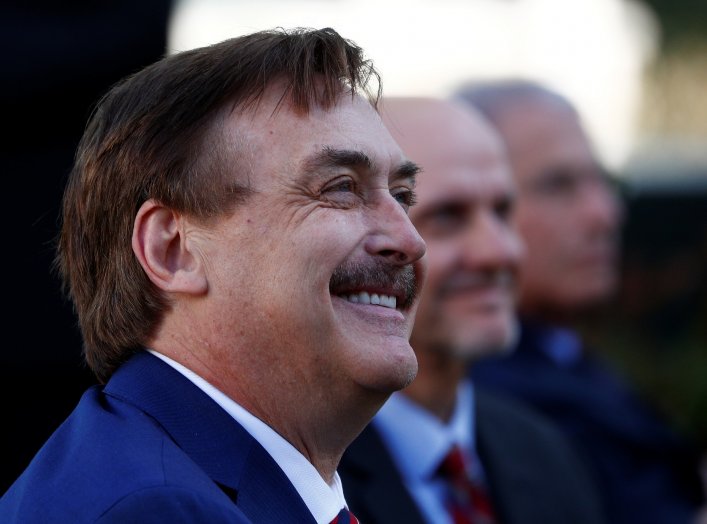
x=402 y=281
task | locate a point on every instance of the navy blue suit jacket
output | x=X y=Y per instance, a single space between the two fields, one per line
x=151 y=447
x=646 y=472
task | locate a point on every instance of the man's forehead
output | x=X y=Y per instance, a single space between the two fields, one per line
x=558 y=152
x=348 y=135
x=466 y=160
x=275 y=105
x=463 y=184
x=274 y=117
x=533 y=128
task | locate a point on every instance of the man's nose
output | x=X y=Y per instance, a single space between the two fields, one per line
x=392 y=234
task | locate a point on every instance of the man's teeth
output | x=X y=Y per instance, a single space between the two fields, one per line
x=374 y=298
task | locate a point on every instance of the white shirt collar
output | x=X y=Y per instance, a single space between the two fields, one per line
x=324 y=501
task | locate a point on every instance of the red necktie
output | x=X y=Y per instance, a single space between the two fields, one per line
x=345 y=517
x=468 y=502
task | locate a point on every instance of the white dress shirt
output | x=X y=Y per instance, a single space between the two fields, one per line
x=418 y=441
x=324 y=501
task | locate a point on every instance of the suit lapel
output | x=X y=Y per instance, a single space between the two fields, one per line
x=372 y=485
x=212 y=438
x=512 y=474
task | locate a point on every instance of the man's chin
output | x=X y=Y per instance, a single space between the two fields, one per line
x=392 y=383
x=480 y=341
x=392 y=371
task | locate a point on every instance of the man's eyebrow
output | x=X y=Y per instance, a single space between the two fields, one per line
x=330 y=157
x=407 y=169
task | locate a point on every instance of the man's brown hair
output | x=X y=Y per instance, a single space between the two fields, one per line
x=155 y=135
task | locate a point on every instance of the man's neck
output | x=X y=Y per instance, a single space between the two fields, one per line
x=322 y=435
x=304 y=416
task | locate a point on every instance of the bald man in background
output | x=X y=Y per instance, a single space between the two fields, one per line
x=570 y=218
x=517 y=467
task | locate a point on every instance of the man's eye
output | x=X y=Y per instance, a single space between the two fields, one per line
x=556 y=183
x=406 y=198
x=504 y=209
x=341 y=193
x=340 y=186
x=443 y=221
x=447 y=216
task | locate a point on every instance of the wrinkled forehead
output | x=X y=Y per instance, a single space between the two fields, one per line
x=274 y=134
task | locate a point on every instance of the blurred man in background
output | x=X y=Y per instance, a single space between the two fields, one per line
x=443 y=443
x=570 y=219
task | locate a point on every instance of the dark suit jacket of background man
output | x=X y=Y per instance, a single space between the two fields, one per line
x=533 y=475
x=149 y=432
x=647 y=473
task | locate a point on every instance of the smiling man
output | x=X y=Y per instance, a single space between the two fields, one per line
x=236 y=243
x=443 y=451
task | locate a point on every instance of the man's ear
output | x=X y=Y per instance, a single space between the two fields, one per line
x=160 y=244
